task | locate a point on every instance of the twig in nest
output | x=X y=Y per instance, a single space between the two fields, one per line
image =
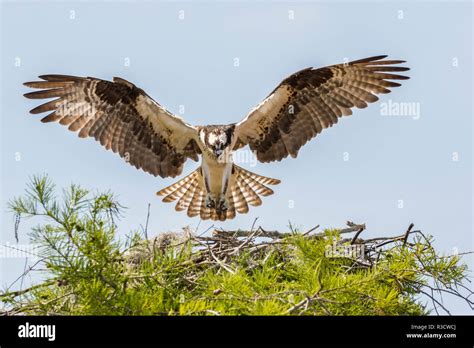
x=310 y=230
x=362 y=227
x=352 y=227
x=407 y=233
x=244 y=233
x=222 y=264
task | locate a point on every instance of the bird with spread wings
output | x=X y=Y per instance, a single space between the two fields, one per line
x=124 y=119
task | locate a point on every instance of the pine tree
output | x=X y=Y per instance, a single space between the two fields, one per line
x=256 y=272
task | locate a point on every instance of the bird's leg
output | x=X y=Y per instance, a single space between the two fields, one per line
x=210 y=203
x=223 y=204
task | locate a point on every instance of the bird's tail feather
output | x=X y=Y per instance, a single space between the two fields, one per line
x=179 y=188
x=247 y=187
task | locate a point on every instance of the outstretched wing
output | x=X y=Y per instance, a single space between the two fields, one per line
x=311 y=100
x=122 y=117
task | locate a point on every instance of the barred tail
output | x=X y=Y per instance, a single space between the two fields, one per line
x=185 y=191
x=246 y=188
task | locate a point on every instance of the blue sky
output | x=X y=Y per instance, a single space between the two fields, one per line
x=383 y=170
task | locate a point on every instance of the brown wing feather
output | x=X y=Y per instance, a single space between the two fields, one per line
x=121 y=117
x=311 y=100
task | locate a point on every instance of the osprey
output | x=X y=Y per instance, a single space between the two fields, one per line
x=124 y=119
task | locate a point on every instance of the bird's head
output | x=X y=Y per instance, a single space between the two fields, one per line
x=218 y=140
